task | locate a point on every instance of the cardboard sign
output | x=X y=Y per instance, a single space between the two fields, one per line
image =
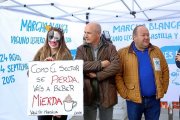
x=55 y=88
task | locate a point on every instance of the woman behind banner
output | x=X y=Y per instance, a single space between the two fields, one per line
x=54 y=48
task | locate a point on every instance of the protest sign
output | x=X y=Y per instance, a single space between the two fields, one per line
x=55 y=87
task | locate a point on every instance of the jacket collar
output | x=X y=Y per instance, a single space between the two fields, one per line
x=151 y=47
x=102 y=43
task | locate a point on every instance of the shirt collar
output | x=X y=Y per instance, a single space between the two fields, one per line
x=136 y=50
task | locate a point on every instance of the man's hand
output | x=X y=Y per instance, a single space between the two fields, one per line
x=91 y=75
x=105 y=63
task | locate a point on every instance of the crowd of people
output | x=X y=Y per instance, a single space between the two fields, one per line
x=138 y=72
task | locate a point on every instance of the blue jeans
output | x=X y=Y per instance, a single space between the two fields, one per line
x=90 y=112
x=149 y=106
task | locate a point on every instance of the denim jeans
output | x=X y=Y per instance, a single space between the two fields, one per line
x=90 y=112
x=150 y=107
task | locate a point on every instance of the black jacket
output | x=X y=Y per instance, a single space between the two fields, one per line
x=178 y=62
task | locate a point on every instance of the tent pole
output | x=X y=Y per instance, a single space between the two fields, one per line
x=87 y=18
x=141 y=9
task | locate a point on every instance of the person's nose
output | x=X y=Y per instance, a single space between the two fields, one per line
x=53 y=39
x=85 y=35
x=146 y=37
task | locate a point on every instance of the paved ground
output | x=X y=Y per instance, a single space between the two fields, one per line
x=163 y=116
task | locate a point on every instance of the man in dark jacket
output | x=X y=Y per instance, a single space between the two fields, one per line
x=178 y=59
x=101 y=63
